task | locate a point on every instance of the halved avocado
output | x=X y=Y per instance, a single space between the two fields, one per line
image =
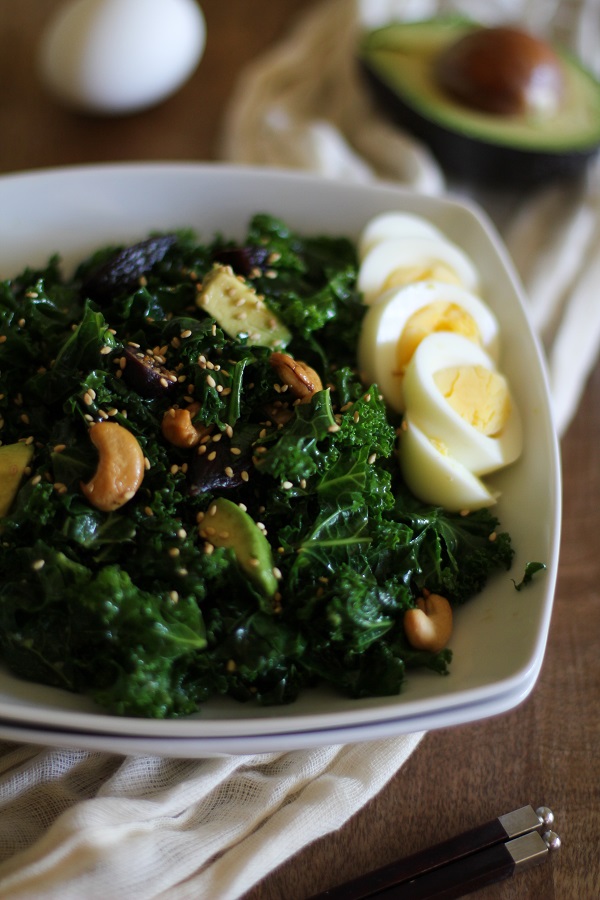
x=406 y=66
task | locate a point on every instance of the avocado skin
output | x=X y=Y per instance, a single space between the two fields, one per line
x=475 y=159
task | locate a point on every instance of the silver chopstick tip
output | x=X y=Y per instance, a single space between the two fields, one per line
x=546 y=816
x=551 y=840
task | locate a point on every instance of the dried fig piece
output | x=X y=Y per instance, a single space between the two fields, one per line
x=243 y=260
x=215 y=467
x=121 y=272
x=145 y=375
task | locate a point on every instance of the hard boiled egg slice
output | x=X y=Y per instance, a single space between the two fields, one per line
x=394 y=225
x=394 y=326
x=454 y=393
x=435 y=477
x=399 y=261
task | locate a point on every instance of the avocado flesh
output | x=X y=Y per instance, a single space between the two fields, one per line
x=239 y=310
x=14 y=459
x=227 y=525
x=398 y=61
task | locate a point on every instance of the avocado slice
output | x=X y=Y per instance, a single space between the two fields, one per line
x=239 y=309
x=227 y=525
x=401 y=65
x=14 y=459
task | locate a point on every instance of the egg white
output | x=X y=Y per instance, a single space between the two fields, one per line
x=387 y=318
x=385 y=257
x=394 y=225
x=436 y=478
x=431 y=412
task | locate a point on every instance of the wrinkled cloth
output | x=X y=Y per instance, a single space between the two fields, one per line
x=76 y=823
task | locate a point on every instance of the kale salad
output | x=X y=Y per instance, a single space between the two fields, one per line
x=200 y=496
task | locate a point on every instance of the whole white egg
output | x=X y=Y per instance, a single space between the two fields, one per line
x=394 y=324
x=120 y=56
x=443 y=421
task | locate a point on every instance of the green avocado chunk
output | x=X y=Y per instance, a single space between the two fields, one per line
x=401 y=63
x=239 y=310
x=14 y=459
x=227 y=525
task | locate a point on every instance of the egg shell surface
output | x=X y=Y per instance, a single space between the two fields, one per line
x=388 y=256
x=430 y=410
x=386 y=320
x=116 y=57
x=436 y=478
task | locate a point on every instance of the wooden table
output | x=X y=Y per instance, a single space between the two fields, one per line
x=546 y=751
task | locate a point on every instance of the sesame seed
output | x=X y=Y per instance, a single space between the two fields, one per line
x=356 y=416
x=244 y=476
x=333 y=428
x=186 y=333
x=211 y=381
x=128 y=495
x=287 y=485
x=212 y=455
x=149 y=511
x=372 y=458
x=38 y=564
x=228 y=471
x=277 y=573
x=212 y=510
x=173 y=551
x=105 y=350
x=254 y=562
x=492 y=537
x=181 y=533
x=208 y=548
x=36 y=479
x=59 y=448
x=174 y=596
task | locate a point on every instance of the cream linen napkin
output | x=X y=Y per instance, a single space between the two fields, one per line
x=79 y=824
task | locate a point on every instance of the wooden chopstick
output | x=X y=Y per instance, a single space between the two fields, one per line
x=493 y=843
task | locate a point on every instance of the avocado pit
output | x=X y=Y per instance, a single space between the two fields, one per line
x=503 y=71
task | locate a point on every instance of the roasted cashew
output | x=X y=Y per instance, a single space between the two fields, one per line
x=178 y=428
x=302 y=381
x=429 y=626
x=120 y=467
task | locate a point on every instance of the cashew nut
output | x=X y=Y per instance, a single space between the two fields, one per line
x=429 y=625
x=300 y=378
x=179 y=429
x=120 y=468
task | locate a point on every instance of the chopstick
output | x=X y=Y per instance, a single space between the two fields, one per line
x=461 y=864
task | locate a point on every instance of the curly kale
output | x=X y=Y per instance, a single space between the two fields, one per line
x=132 y=607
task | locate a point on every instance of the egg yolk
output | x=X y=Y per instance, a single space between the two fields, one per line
x=478 y=395
x=427 y=272
x=437 y=316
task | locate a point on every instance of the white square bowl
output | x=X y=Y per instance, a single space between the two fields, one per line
x=499 y=637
